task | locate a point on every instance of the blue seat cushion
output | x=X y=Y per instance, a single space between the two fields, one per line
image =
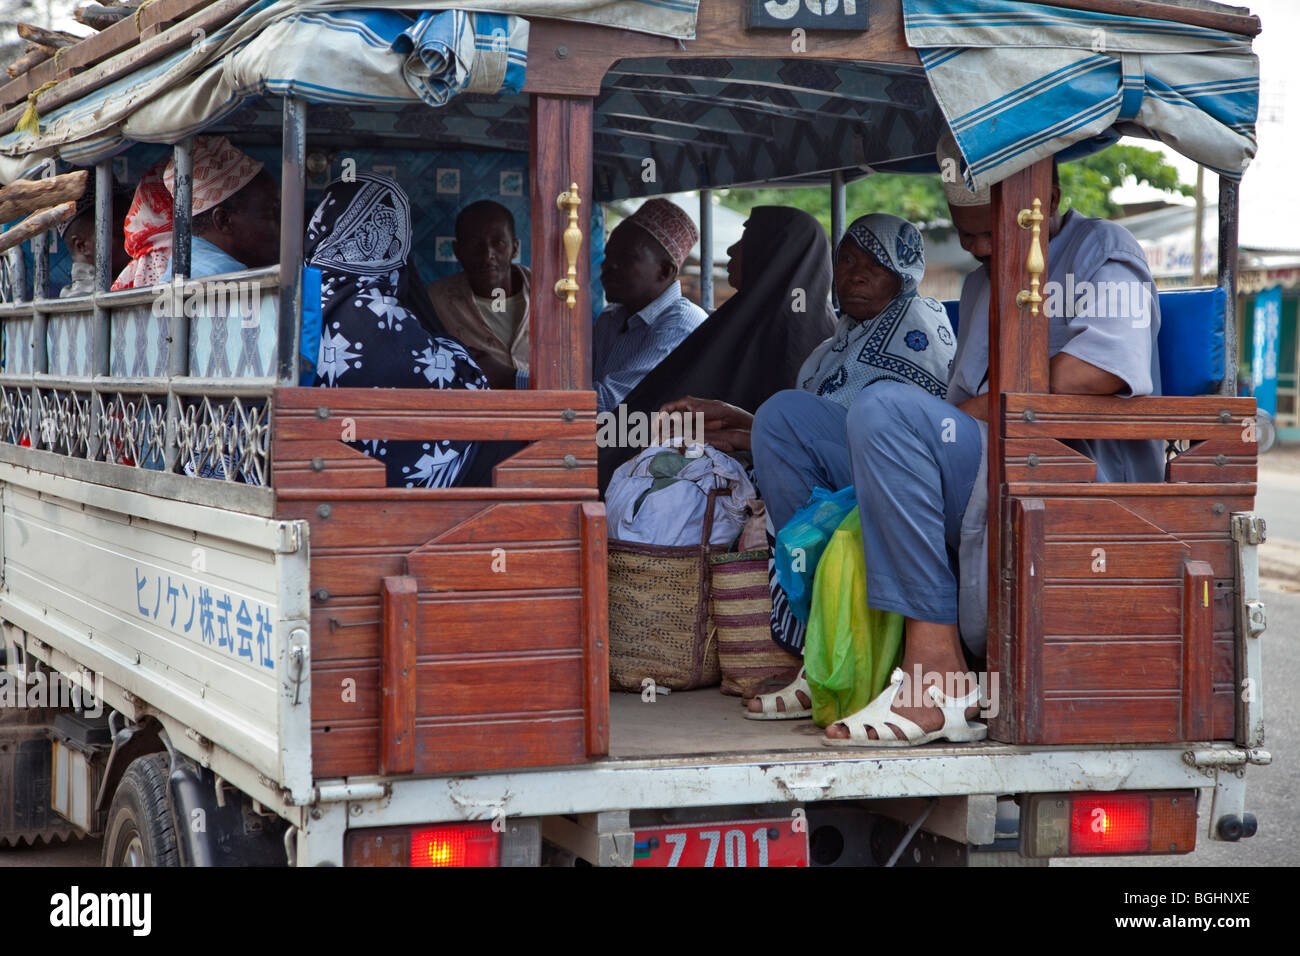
x=1191 y=340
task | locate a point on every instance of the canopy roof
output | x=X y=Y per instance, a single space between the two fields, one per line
x=1016 y=81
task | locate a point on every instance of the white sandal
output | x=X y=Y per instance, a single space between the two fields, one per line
x=794 y=708
x=877 y=715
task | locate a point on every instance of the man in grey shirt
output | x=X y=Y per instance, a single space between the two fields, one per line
x=918 y=462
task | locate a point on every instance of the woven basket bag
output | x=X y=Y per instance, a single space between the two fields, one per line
x=742 y=613
x=659 y=624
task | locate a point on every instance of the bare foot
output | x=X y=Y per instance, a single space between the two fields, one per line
x=928 y=716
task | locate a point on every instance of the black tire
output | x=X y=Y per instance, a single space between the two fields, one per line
x=139 y=830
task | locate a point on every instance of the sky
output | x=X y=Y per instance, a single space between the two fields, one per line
x=1270 y=191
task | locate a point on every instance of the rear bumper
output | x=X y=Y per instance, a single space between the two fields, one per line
x=757 y=779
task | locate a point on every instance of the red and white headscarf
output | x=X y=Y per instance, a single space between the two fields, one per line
x=220 y=171
x=148 y=233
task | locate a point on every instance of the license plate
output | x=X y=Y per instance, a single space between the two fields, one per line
x=782 y=842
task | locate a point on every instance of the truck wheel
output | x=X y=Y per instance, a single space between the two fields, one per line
x=139 y=831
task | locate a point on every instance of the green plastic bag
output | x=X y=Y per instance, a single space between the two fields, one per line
x=851 y=649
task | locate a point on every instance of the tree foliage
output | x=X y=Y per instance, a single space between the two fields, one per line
x=1086 y=185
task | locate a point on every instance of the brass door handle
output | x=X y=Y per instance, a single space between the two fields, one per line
x=1032 y=299
x=567 y=288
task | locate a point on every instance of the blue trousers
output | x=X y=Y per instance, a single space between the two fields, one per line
x=912 y=458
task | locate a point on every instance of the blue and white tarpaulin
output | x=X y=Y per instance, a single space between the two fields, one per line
x=1019 y=82
x=358 y=57
x=435 y=46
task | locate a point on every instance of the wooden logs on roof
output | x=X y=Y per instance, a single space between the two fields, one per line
x=115 y=51
x=98 y=17
x=37 y=223
x=43 y=43
x=54 y=38
x=25 y=196
x=33 y=53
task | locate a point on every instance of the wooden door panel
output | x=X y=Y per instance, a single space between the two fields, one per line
x=1100 y=560
x=1133 y=719
x=490 y=688
x=1142 y=651
x=1112 y=665
x=495 y=569
x=1112 y=609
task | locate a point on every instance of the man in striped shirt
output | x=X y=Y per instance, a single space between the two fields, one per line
x=650 y=317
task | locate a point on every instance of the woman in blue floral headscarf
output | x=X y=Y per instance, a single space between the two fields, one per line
x=886 y=331
x=360 y=240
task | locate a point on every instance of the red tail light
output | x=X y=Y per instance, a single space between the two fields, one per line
x=447 y=844
x=1087 y=824
x=1116 y=823
x=473 y=844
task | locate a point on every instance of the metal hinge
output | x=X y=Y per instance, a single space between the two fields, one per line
x=1256 y=618
x=1228 y=758
x=1249 y=529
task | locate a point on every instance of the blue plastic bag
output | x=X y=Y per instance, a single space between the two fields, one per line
x=799 y=545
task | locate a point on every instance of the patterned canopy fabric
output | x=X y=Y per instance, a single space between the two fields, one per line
x=1015 y=81
x=358 y=57
x=1018 y=82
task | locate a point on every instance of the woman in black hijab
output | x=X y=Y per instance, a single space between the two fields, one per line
x=371 y=335
x=752 y=346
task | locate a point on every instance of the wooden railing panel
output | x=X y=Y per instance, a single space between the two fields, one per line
x=509 y=592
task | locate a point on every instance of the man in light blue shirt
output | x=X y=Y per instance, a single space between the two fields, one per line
x=650 y=317
x=235 y=207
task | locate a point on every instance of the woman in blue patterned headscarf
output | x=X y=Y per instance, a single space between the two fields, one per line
x=360 y=240
x=887 y=330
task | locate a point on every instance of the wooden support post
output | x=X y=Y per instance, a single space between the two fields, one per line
x=1198 y=650
x=560 y=150
x=1017 y=363
x=401 y=629
x=595 y=628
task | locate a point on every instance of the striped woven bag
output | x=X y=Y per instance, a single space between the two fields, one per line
x=741 y=604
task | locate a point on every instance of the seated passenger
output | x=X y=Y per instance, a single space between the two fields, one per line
x=360 y=240
x=235 y=210
x=650 y=316
x=78 y=234
x=485 y=305
x=147 y=233
x=886 y=330
x=753 y=346
x=916 y=461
